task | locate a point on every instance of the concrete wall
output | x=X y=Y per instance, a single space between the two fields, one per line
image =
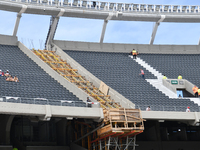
x=191 y=117
x=51 y=111
x=8 y=40
x=182 y=84
x=90 y=77
x=68 y=85
x=126 y=48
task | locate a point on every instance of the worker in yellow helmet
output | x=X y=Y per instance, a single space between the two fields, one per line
x=180 y=77
x=164 y=77
x=134 y=53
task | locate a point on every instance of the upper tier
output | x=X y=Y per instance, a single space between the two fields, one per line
x=121 y=73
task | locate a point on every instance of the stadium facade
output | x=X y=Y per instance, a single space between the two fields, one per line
x=47 y=111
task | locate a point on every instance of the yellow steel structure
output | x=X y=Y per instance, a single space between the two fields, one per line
x=72 y=75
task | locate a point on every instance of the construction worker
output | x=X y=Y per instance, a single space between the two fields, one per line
x=180 y=77
x=195 y=90
x=164 y=77
x=199 y=92
x=134 y=53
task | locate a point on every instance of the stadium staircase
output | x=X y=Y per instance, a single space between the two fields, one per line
x=157 y=83
x=121 y=125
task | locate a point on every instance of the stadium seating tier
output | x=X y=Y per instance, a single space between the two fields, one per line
x=34 y=82
x=121 y=73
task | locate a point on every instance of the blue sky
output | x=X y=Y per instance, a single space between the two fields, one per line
x=34 y=28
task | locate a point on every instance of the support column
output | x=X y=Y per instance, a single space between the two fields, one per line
x=19 y=15
x=61 y=132
x=104 y=27
x=52 y=29
x=155 y=29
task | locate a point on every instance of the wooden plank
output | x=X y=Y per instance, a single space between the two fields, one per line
x=64 y=69
x=103 y=88
x=104 y=130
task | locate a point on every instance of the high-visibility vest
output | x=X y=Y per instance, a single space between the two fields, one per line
x=199 y=91
x=179 y=77
x=142 y=72
x=195 y=89
x=164 y=77
x=134 y=52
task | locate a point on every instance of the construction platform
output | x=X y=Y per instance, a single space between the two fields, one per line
x=120 y=130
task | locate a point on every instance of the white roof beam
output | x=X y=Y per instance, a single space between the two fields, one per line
x=53 y=29
x=19 y=15
x=155 y=29
x=104 y=27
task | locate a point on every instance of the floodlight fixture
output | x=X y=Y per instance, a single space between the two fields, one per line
x=75 y=3
x=175 y=8
x=149 y=7
x=141 y=7
x=84 y=3
x=184 y=8
x=166 y=8
x=127 y=6
x=119 y=6
x=135 y=6
x=45 y=1
x=157 y=7
x=56 y=1
x=111 y=5
x=65 y=2
x=193 y=8
x=103 y=4
x=34 y=0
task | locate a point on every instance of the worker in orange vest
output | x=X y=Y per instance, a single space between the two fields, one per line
x=199 y=92
x=134 y=53
x=195 y=90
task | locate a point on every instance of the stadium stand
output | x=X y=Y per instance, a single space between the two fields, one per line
x=32 y=87
x=121 y=73
x=174 y=64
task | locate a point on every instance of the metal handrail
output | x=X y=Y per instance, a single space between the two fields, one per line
x=165 y=108
x=73 y=103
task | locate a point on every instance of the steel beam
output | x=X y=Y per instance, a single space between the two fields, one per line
x=53 y=29
x=155 y=29
x=104 y=27
x=19 y=15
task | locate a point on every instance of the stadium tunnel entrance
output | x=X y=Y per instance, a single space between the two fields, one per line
x=182 y=87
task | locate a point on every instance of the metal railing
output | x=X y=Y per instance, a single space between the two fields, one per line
x=111 y=6
x=167 y=108
x=44 y=101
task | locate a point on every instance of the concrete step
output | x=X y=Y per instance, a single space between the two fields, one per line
x=158 y=85
x=149 y=68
